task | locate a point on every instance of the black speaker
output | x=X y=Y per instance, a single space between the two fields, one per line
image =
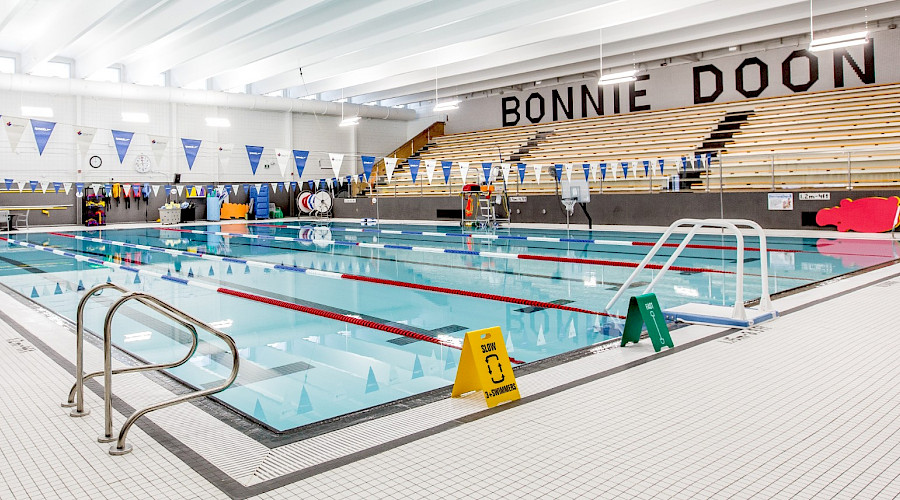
x=177 y=178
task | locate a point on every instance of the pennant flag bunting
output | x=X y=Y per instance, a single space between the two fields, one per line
x=486 y=167
x=568 y=167
x=602 y=171
x=646 y=167
x=281 y=158
x=224 y=154
x=429 y=169
x=414 y=168
x=67 y=186
x=84 y=136
x=445 y=167
x=79 y=189
x=254 y=153
x=15 y=127
x=122 y=140
x=34 y=185
x=662 y=165
x=389 y=165
x=158 y=145
x=44 y=186
x=558 y=168
x=463 y=170
x=57 y=186
x=521 y=169
x=9 y=183
x=504 y=170
x=42 y=131
x=300 y=158
x=191 y=148
x=586 y=168
x=537 y=173
x=336 y=160
x=368 y=162
x=625 y=169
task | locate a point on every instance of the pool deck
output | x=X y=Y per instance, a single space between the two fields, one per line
x=805 y=406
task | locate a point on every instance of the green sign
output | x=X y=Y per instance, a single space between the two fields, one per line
x=644 y=309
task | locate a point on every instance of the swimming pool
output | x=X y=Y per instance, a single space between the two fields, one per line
x=336 y=318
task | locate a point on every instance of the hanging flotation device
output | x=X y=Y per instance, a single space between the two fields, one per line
x=470 y=206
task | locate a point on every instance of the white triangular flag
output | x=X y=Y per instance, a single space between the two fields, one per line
x=594 y=169
x=612 y=169
x=155 y=189
x=504 y=169
x=67 y=186
x=14 y=127
x=429 y=169
x=158 y=145
x=389 y=165
x=22 y=185
x=225 y=154
x=463 y=170
x=537 y=173
x=258 y=187
x=568 y=167
x=96 y=188
x=274 y=187
x=235 y=187
x=336 y=160
x=84 y=136
x=281 y=157
x=179 y=188
x=44 y=186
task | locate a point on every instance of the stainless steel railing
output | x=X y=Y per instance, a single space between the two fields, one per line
x=76 y=394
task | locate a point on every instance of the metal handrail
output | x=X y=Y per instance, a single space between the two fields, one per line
x=765 y=301
x=76 y=393
x=121 y=448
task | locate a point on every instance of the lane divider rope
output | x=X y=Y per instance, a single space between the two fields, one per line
x=542 y=239
x=236 y=293
x=351 y=277
x=493 y=255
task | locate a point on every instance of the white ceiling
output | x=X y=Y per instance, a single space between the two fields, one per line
x=392 y=51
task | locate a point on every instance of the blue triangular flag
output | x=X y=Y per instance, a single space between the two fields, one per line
x=190 y=272
x=625 y=169
x=414 y=168
x=417 y=368
x=368 y=162
x=34 y=293
x=9 y=183
x=57 y=186
x=586 y=167
x=258 y=412
x=445 y=166
x=34 y=185
x=521 y=167
x=247 y=269
x=122 y=140
x=646 y=167
x=211 y=272
x=42 y=131
x=557 y=169
x=191 y=147
x=300 y=158
x=58 y=290
x=486 y=167
x=229 y=271
x=254 y=153
x=137 y=279
x=602 y=171
x=662 y=165
x=80 y=286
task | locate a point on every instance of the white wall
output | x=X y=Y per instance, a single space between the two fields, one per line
x=169 y=122
x=673 y=86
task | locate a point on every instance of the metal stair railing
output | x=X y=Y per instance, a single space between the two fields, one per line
x=186 y=320
x=765 y=302
x=76 y=393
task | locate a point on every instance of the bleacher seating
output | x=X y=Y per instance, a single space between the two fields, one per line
x=833 y=139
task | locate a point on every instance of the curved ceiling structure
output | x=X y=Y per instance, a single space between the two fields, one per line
x=393 y=52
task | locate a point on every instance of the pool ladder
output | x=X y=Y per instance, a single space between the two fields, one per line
x=76 y=394
x=738 y=312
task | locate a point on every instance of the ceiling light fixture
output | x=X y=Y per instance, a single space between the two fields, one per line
x=836 y=42
x=212 y=121
x=37 y=112
x=622 y=77
x=442 y=106
x=128 y=116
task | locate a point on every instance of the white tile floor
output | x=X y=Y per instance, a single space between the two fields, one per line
x=805 y=406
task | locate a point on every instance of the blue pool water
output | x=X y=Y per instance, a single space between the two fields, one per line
x=299 y=368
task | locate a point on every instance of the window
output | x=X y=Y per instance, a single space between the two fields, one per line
x=54 y=69
x=107 y=75
x=7 y=65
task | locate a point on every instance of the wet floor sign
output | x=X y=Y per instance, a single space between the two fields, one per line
x=644 y=309
x=484 y=366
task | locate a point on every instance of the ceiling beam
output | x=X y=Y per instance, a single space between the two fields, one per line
x=70 y=20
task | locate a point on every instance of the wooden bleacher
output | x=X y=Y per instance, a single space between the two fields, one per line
x=832 y=139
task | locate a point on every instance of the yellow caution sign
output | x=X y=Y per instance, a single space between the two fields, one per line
x=484 y=365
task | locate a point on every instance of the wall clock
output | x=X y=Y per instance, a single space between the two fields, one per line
x=142 y=164
x=95 y=161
